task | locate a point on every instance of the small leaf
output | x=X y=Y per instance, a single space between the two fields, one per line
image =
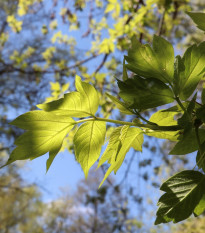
x=155 y=63
x=198 y=18
x=183 y=192
x=110 y=7
x=120 y=105
x=88 y=141
x=112 y=147
x=200 y=208
x=178 y=68
x=193 y=60
x=188 y=143
x=162 y=118
x=200 y=113
x=76 y=104
x=140 y=93
x=46 y=133
x=128 y=138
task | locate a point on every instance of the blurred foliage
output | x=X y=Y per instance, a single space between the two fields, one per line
x=85 y=210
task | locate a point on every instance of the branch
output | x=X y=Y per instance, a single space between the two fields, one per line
x=161 y=22
x=128 y=168
x=10 y=68
x=149 y=126
x=101 y=64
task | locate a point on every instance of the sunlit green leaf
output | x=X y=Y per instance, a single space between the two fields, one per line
x=200 y=208
x=128 y=138
x=88 y=141
x=120 y=105
x=140 y=93
x=155 y=63
x=76 y=104
x=46 y=133
x=193 y=60
x=178 y=68
x=112 y=147
x=163 y=119
x=183 y=192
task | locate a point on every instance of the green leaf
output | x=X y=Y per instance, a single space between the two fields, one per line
x=155 y=63
x=186 y=120
x=83 y=103
x=200 y=208
x=200 y=113
x=116 y=140
x=120 y=105
x=183 y=192
x=88 y=141
x=198 y=18
x=193 y=60
x=178 y=68
x=112 y=147
x=46 y=132
x=188 y=143
x=140 y=93
x=177 y=108
x=162 y=118
x=128 y=138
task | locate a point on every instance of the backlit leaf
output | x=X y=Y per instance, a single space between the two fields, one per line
x=156 y=62
x=120 y=105
x=82 y=103
x=140 y=93
x=128 y=138
x=88 y=141
x=193 y=60
x=45 y=133
x=163 y=119
x=112 y=147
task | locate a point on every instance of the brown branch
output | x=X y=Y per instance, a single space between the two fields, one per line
x=128 y=168
x=10 y=68
x=102 y=63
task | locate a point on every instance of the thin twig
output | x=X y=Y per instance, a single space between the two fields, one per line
x=128 y=168
x=161 y=22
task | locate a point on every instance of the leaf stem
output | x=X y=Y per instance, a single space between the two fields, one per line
x=149 y=126
x=180 y=104
x=142 y=118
